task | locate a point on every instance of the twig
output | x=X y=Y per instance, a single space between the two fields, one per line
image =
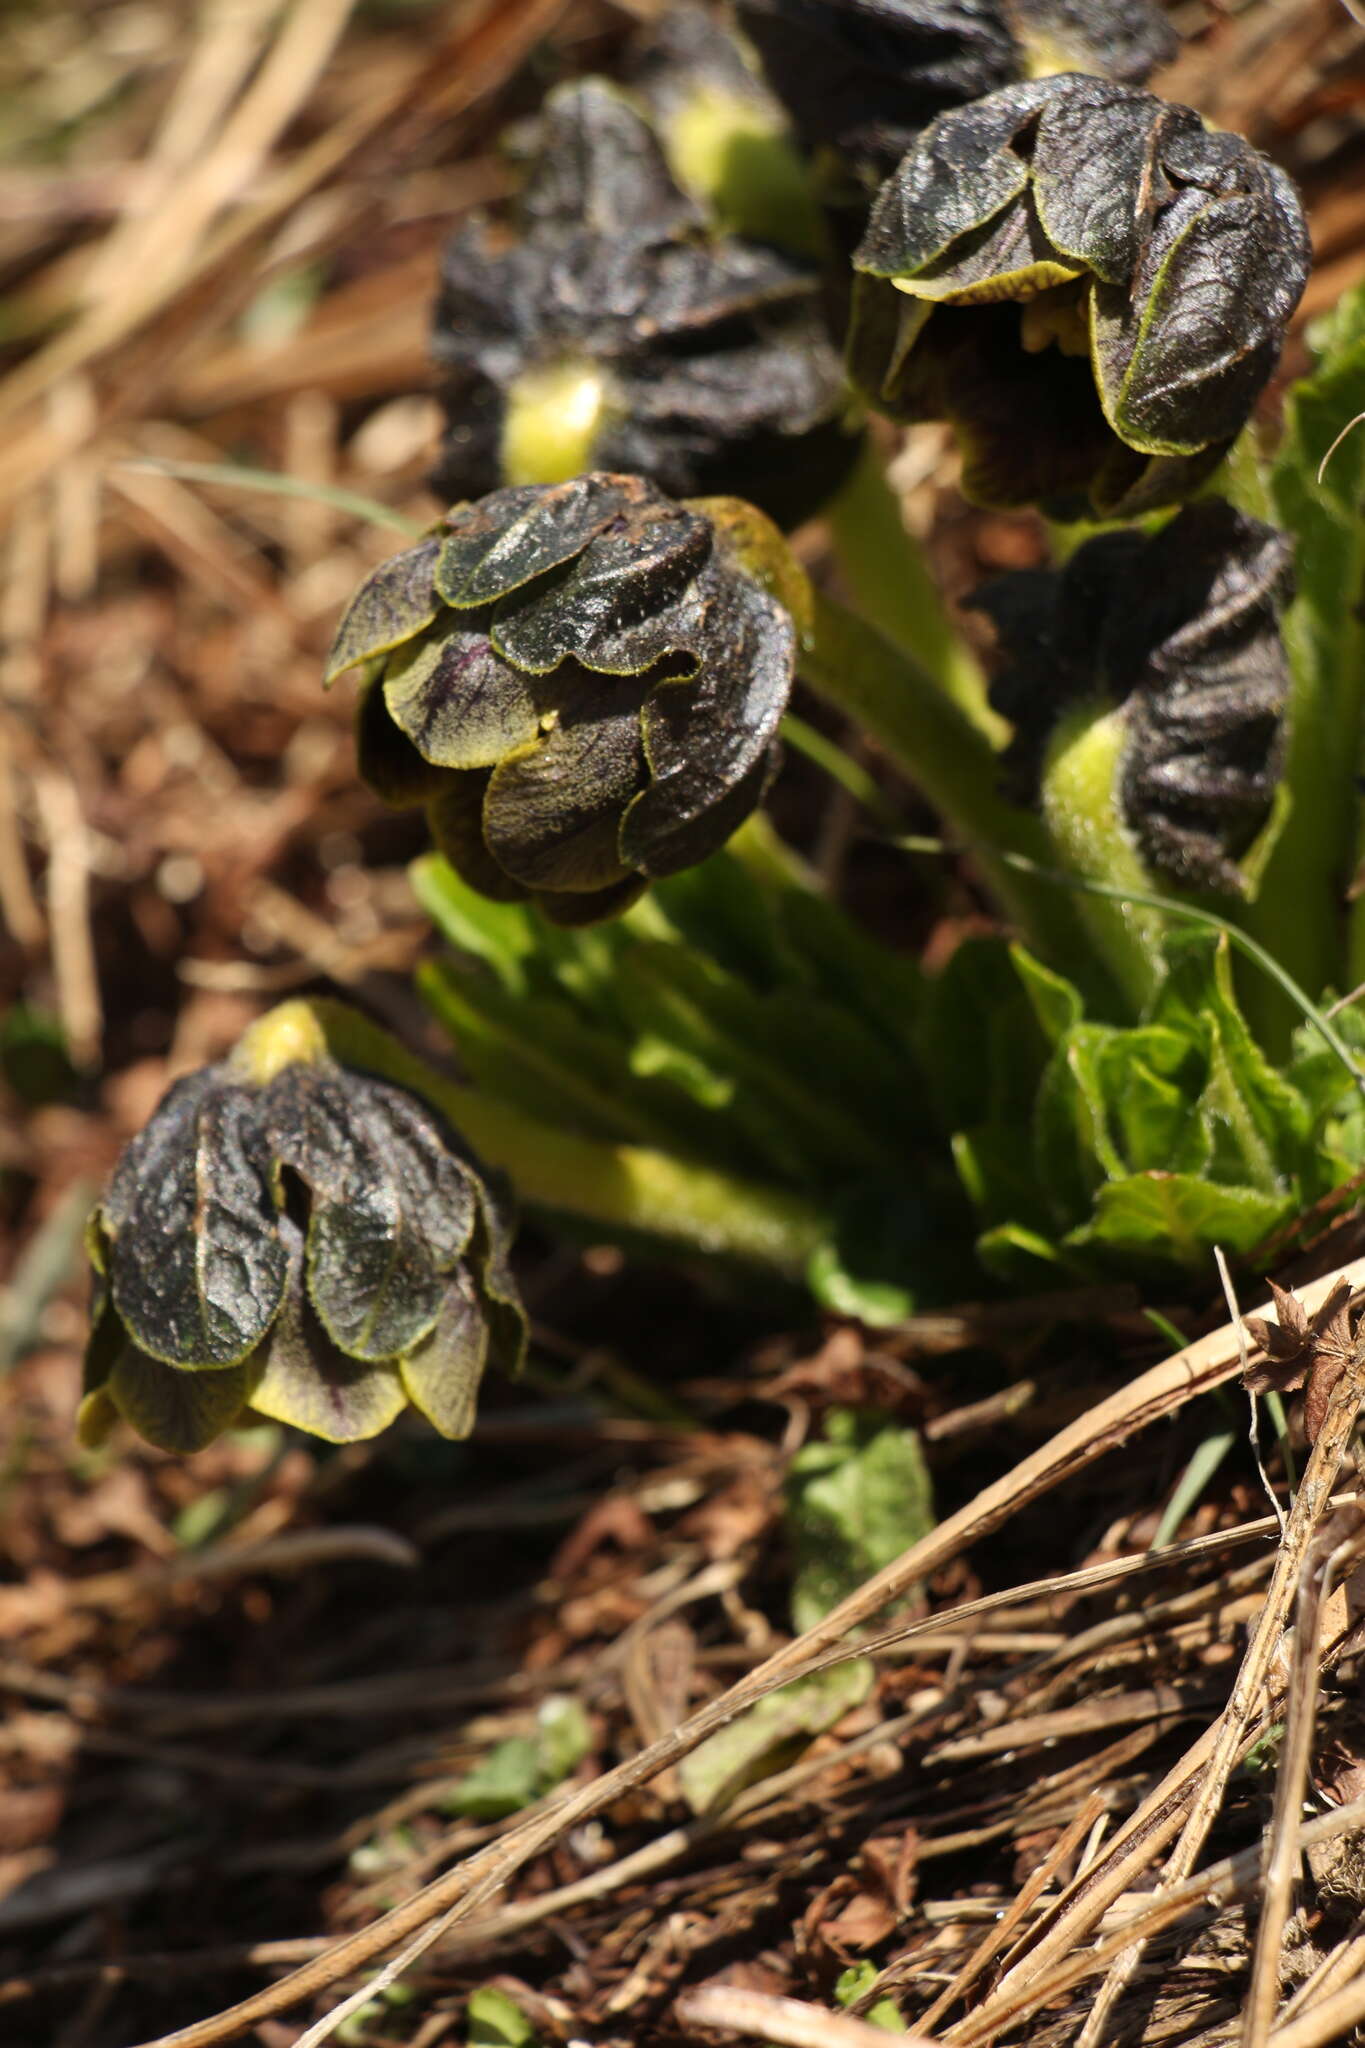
x=460 y=1892
x=1330 y=1553
x=1210 y=1783
x=783 y=2020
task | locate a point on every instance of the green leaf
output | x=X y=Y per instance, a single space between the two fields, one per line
x=982 y=1045
x=772 y=1734
x=1297 y=912
x=1057 y=1002
x=854 y=1502
x=1257 y=1121
x=496 y=2021
x=854 y=1982
x=1177 y=1219
x=523 y=1768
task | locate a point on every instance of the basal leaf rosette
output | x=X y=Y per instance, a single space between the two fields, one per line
x=864 y=77
x=1177 y=635
x=581 y=683
x=1091 y=286
x=293 y=1238
x=611 y=328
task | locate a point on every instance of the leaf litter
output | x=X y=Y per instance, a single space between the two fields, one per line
x=258 y=1703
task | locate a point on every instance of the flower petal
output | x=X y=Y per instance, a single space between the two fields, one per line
x=522 y=532
x=176 y=1410
x=455 y=821
x=617 y=610
x=395 y=602
x=458 y=702
x=196 y=1267
x=708 y=740
x=553 y=811
x=388 y=761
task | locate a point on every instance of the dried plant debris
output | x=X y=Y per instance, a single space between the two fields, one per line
x=615 y=329
x=864 y=77
x=1091 y=286
x=580 y=682
x=1304 y=1351
x=1181 y=629
x=293 y=1239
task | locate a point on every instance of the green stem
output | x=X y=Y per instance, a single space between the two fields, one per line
x=620 y=1187
x=890 y=584
x=1082 y=813
x=950 y=760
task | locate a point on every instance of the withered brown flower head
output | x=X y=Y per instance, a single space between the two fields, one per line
x=1181 y=630
x=608 y=327
x=1301 y=1348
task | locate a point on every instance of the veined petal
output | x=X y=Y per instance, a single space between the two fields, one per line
x=458 y=702
x=552 y=812
x=393 y=604
x=514 y=535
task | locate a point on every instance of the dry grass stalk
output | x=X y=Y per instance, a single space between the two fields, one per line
x=461 y=1892
x=785 y=2021
x=1209 y=1782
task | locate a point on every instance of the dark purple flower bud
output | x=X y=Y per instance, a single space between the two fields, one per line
x=581 y=683
x=1091 y=286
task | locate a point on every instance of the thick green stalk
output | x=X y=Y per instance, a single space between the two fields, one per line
x=1082 y=813
x=619 y=1187
x=889 y=581
x=950 y=760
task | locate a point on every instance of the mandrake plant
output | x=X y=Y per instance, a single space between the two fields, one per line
x=720 y=268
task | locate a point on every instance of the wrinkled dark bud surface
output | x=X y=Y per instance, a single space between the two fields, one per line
x=299 y=1240
x=864 y=77
x=1090 y=286
x=614 y=331
x=1181 y=630
x=581 y=684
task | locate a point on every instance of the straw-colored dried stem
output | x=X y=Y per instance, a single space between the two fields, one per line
x=459 y=1893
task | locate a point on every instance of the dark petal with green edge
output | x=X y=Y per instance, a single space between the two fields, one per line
x=397 y=600
x=1183 y=359
x=574 y=909
x=196 y=1265
x=1009 y=257
x=441 y=1375
x=552 y=814
x=302 y=1379
x=388 y=761
x=511 y=536
x=391 y=1210
x=106 y=1339
x=1095 y=155
x=964 y=169
x=455 y=822
x=613 y=611
x=491 y=1257
x=175 y=1410
x=599 y=167
x=458 y=702
x=682 y=845
x=706 y=738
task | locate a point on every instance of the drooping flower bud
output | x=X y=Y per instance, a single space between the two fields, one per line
x=1088 y=284
x=1181 y=632
x=727 y=138
x=580 y=681
x=863 y=77
x=613 y=330
x=294 y=1238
